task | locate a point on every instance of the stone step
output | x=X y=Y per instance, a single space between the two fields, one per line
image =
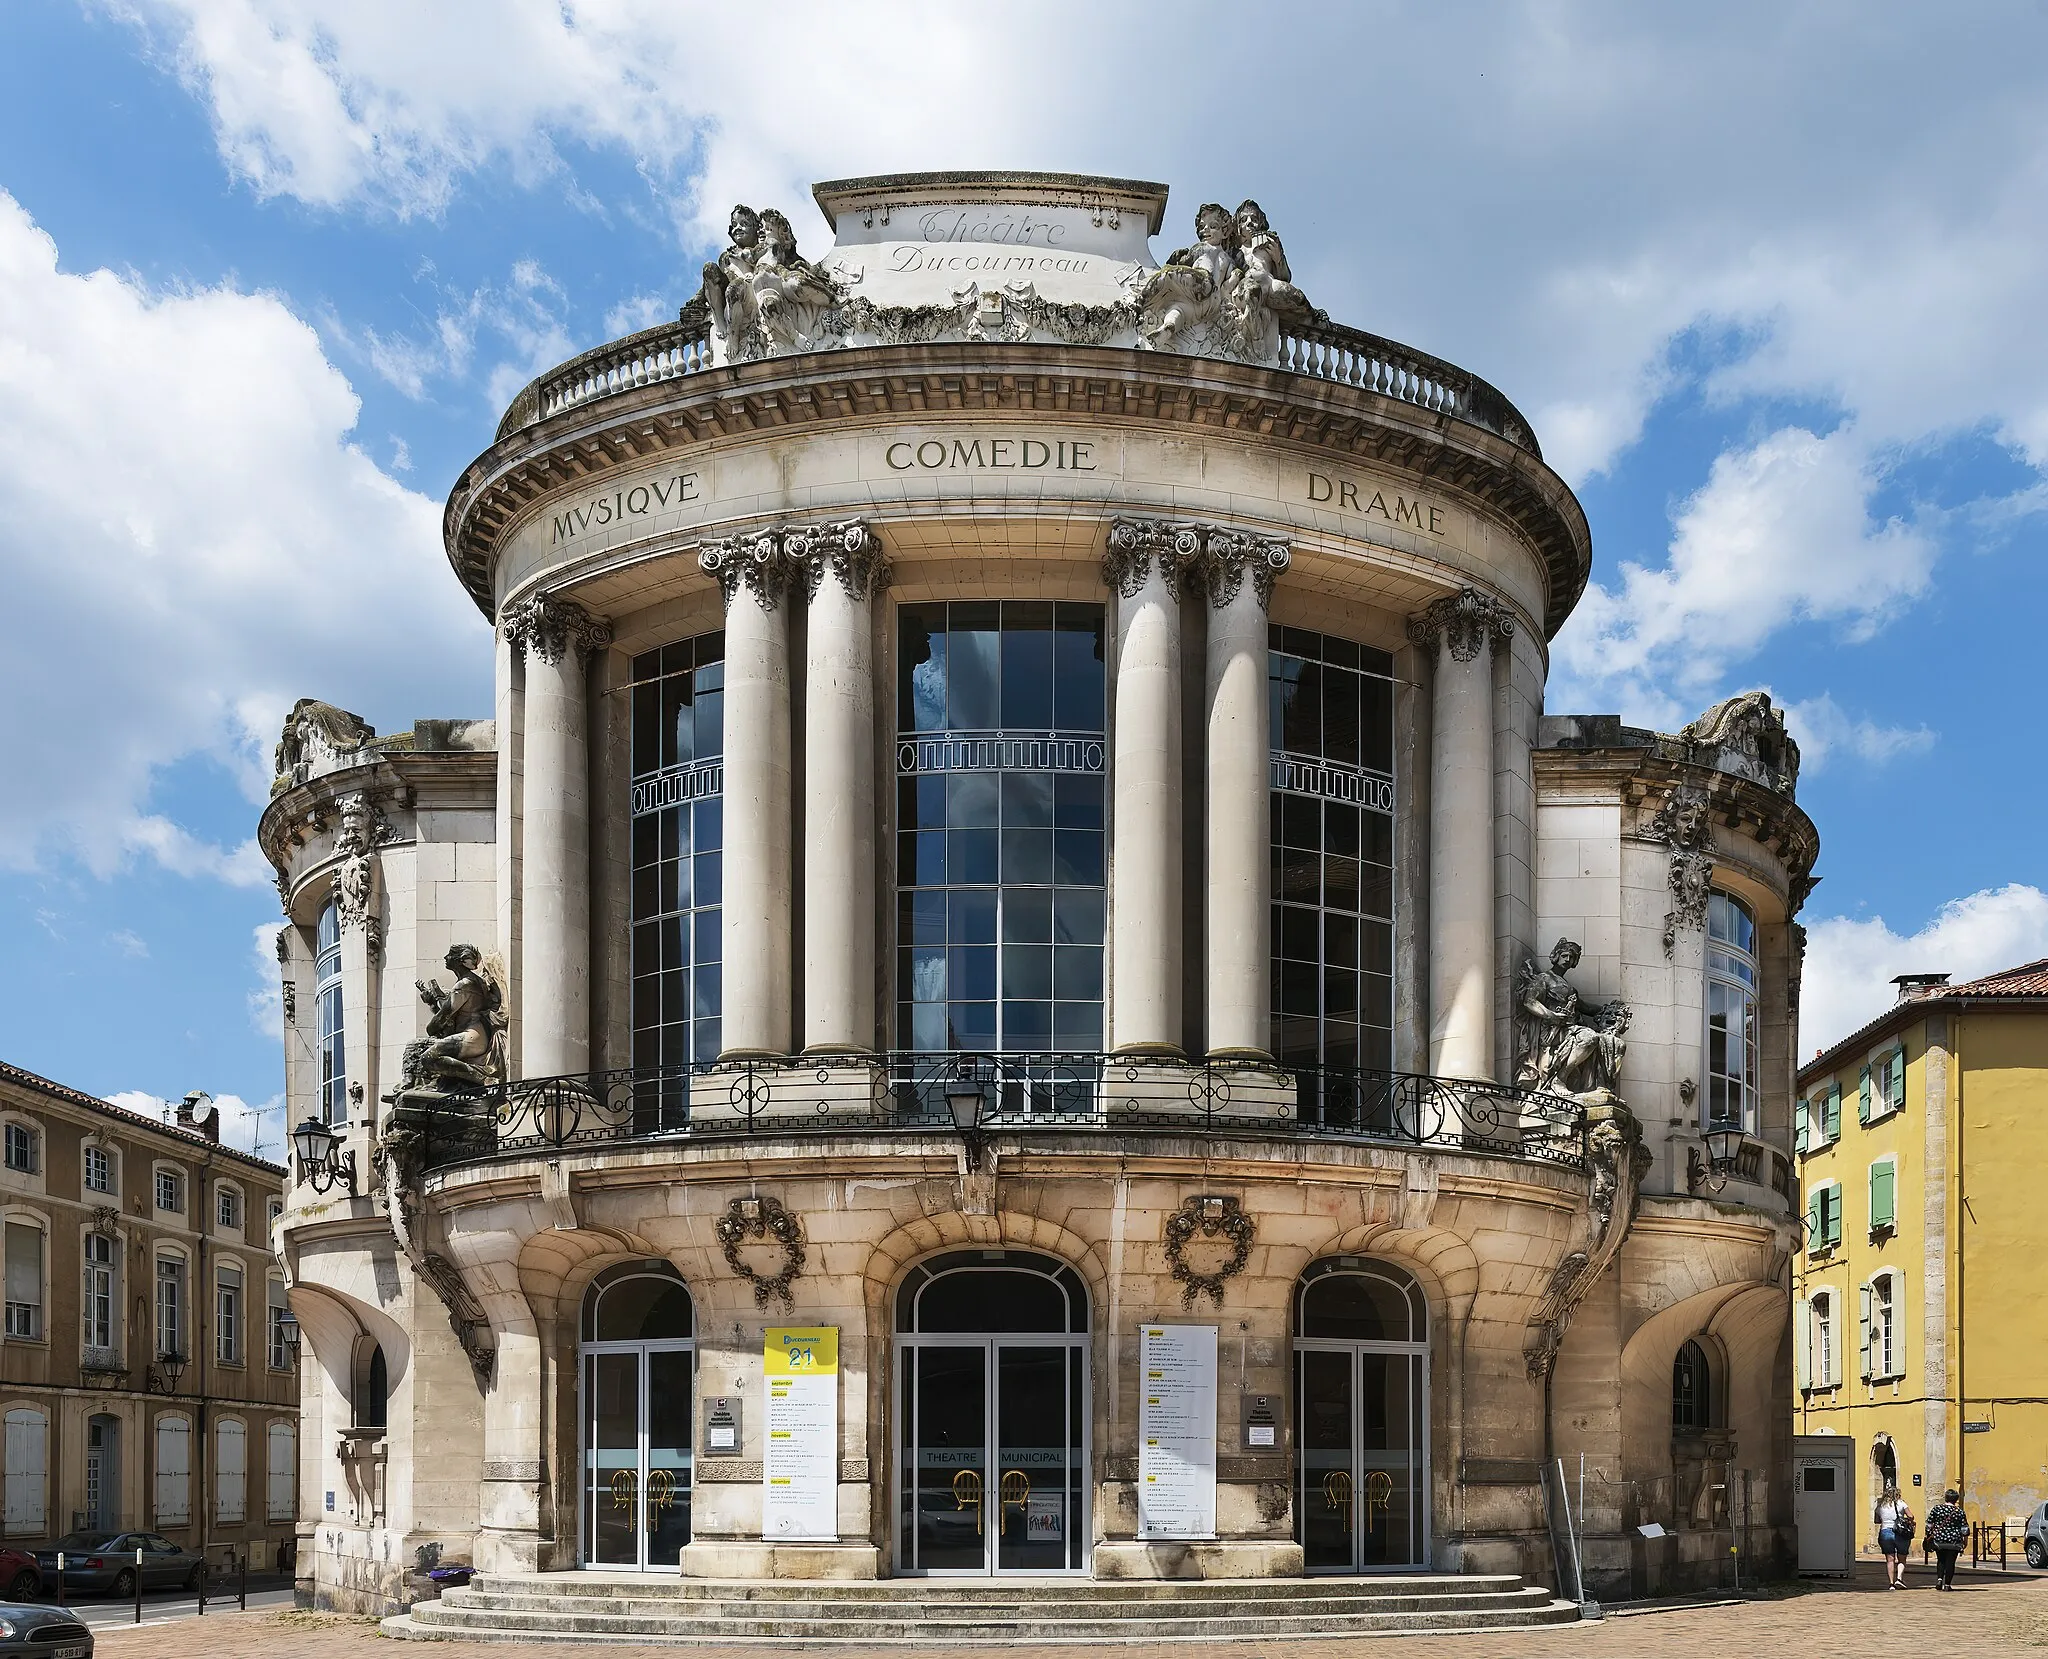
x=979 y=1590
x=1099 y=1605
x=491 y=1625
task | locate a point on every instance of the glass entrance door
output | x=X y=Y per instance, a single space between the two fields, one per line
x=993 y=1464
x=636 y=1457
x=1359 y=1457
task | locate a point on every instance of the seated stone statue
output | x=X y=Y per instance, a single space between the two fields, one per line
x=465 y=1043
x=1180 y=300
x=728 y=290
x=1566 y=1047
x=791 y=295
x=1263 y=296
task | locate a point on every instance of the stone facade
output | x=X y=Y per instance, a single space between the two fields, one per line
x=742 y=589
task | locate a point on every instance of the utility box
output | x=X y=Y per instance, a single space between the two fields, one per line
x=1823 y=1503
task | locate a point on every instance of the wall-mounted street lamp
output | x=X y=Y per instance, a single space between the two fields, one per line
x=1724 y=1146
x=322 y=1164
x=162 y=1377
x=289 y=1334
x=965 y=1099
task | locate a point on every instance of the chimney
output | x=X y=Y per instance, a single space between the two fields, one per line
x=190 y=1111
x=1912 y=987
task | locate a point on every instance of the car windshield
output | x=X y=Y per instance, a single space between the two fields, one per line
x=85 y=1540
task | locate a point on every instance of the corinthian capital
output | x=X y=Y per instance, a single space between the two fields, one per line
x=1138 y=546
x=849 y=550
x=1465 y=620
x=1228 y=554
x=755 y=562
x=547 y=628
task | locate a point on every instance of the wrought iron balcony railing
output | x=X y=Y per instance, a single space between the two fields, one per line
x=1322 y=351
x=1020 y=1093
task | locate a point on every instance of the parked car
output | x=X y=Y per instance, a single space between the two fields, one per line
x=106 y=1561
x=2037 y=1537
x=20 y=1578
x=46 y=1632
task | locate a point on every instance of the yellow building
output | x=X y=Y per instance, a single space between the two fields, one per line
x=1921 y=1325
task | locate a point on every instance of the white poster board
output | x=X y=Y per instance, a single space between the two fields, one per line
x=1177 y=1431
x=800 y=1439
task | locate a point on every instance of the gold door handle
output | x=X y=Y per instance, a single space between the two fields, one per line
x=967 y=1492
x=1379 y=1494
x=625 y=1489
x=1013 y=1493
x=1337 y=1494
x=661 y=1492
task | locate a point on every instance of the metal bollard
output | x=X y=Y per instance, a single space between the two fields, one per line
x=2001 y=1546
x=242 y=1584
x=138 y=1584
x=60 y=1580
x=202 y=1586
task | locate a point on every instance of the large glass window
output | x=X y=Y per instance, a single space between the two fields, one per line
x=170 y=1307
x=101 y=1260
x=678 y=832
x=327 y=994
x=1333 y=850
x=1731 y=1097
x=999 y=863
x=1692 y=1388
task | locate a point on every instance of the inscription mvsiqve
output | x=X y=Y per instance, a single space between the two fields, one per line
x=635 y=502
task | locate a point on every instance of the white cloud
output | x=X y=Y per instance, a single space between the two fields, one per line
x=1850 y=963
x=1780 y=532
x=638 y=311
x=266 y=997
x=128 y=943
x=1823 y=729
x=255 y=1128
x=189 y=540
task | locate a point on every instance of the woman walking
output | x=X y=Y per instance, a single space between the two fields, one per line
x=1948 y=1531
x=1895 y=1528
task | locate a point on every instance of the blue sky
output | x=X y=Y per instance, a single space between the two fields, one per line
x=1767 y=279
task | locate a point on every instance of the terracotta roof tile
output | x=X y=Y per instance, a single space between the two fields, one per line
x=2029 y=979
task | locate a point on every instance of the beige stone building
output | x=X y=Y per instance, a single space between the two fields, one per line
x=989 y=995
x=150 y=1365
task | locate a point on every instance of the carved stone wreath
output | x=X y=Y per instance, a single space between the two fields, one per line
x=1211 y=1217
x=747 y=1219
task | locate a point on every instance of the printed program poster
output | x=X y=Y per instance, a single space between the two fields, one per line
x=1177 y=1431
x=800 y=1442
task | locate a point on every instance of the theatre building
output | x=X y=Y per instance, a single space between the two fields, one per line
x=1019 y=981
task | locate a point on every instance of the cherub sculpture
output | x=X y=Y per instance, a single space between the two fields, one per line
x=1181 y=299
x=1566 y=1047
x=1263 y=296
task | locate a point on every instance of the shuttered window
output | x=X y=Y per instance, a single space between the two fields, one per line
x=24 y=1280
x=1883 y=1181
x=1802 y=1344
x=1832 y=1126
x=173 y=1472
x=230 y=1470
x=1863 y=1095
x=1824 y=1216
x=1801 y=1111
x=27 y=1450
x=1823 y=1341
x=284 y=1472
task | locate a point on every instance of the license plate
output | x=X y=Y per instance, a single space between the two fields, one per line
x=77 y=1651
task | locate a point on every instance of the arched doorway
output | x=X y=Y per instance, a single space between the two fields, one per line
x=1361 y=1397
x=637 y=1353
x=992 y=1415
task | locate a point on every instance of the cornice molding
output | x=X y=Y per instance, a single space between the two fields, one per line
x=935 y=382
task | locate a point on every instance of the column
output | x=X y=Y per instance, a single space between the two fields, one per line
x=1240 y=570
x=843 y=568
x=1143 y=566
x=753 y=573
x=556 y=637
x=1462 y=631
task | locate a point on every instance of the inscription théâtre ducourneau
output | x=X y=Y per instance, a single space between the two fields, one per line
x=627 y=502
x=991 y=455
x=1376 y=501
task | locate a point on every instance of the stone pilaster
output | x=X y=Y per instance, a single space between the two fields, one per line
x=754 y=574
x=842 y=568
x=1239 y=570
x=1143 y=568
x=1461 y=631
x=557 y=637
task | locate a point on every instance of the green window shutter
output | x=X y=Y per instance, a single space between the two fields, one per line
x=1799 y=1120
x=1898 y=1079
x=1833 y=1124
x=1802 y=1344
x=1864 y=1360
x=1883 y=1178
x=1815 y=1238
x=1834 y=1212
x=1863 y=1096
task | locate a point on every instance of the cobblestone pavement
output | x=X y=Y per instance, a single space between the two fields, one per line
x=1986 y=1615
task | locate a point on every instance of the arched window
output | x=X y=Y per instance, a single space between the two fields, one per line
x=1822 y=1338
x=971 y=1292
x=1730 y=1099
x=102 y=1297
x=1352 y=1300
x=1692 y=1389
x=638 y=1302
x=333 y=1084
x=373 y=1392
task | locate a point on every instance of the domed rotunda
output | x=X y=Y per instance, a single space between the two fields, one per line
x=1019 y=983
